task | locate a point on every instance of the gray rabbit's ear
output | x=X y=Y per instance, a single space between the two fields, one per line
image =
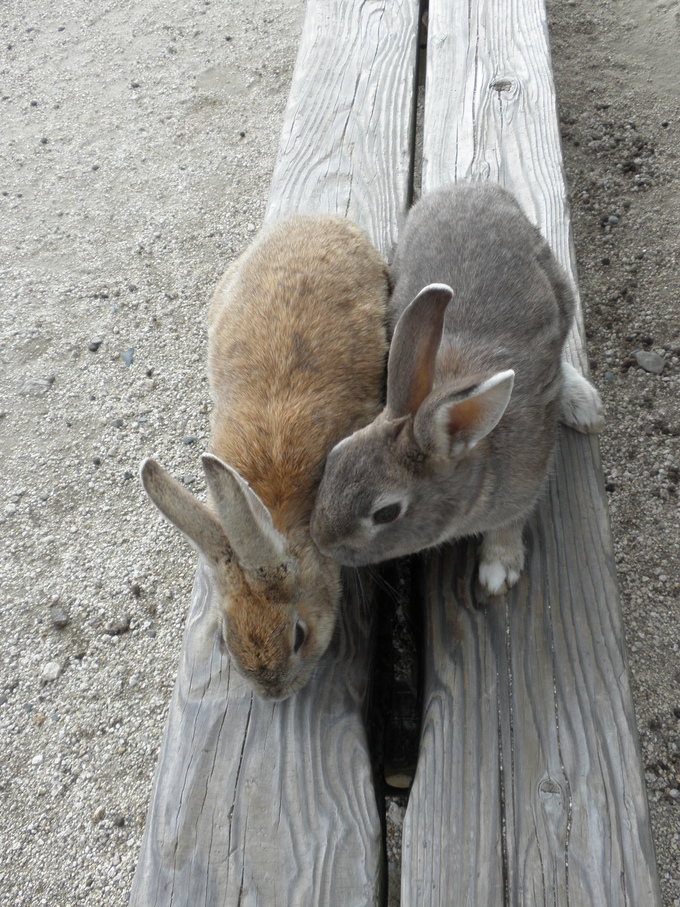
x=246 y=520
x=411 y=362
x=456 y=422
x=187 y=513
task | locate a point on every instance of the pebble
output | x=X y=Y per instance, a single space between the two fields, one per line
x=116 y=423
x=98 y=815
x=59 y=617
x=650 y=362
x=613 y=220
x=396 y=813
x=190 y=439
x=50 y=672
x=35 y=387
x=128 y=356
x=118 y=625
x=37 y=760
x=94 y=344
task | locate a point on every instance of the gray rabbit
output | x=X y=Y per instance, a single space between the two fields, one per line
x=476 y=386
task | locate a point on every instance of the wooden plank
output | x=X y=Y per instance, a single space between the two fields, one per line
x=529 y=788
x=347 y=142
x=273 y=803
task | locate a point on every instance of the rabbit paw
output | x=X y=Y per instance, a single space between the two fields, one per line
x=582 y=407
x=501 y=560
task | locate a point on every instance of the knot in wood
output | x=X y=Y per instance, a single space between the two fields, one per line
x=550 y=790
x=502 y=84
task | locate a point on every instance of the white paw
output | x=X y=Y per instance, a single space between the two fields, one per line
x=496 y=577
x=582 y=406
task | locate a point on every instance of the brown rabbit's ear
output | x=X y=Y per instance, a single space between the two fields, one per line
x=411 y=362
x=244 y=517
x=459 y=420
x=187 y=513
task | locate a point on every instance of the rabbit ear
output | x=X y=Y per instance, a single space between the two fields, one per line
x=460 y=420
x=184 y=510
x=411 y=362
x=246 y=520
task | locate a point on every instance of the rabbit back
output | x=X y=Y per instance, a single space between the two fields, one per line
x=512 y=308
x=296 y=353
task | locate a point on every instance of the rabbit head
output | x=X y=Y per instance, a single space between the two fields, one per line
x=275 y=607
x=416 y=475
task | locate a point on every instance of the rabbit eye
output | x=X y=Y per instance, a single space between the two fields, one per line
x=300 y=636
x=386 y=514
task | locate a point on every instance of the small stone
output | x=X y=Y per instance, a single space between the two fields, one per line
x=127 y=475
x=36 y=387
x=98 y=815
x=37 y=760
x=97 y=461
x=50 y=672
x=134 y=84
x=151 y=633
x=675 y=794
x=59 y=617
x=136 y=590
x=119 y=820
x=118 y=625
x=190 y=439
x=95 y=343
x=116 y=423
x=128 y=356
x=396 y=813
x=613 y=220
x=650 y=362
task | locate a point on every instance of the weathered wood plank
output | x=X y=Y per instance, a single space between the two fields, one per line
x=258 y=803
x=539 y=776
x=347 y=142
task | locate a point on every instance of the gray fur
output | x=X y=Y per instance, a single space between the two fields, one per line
x=511 y=310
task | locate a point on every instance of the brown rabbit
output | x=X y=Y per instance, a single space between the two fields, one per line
x=296 y=356
x=475 y=388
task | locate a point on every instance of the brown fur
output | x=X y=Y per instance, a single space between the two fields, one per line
x=297 y=344
x=288 y=367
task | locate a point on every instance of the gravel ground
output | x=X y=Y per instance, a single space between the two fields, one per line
x=136 y=148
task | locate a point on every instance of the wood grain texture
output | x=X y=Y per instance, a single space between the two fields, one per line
x=529 y=788
x=347 y=139
x=256 y=803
